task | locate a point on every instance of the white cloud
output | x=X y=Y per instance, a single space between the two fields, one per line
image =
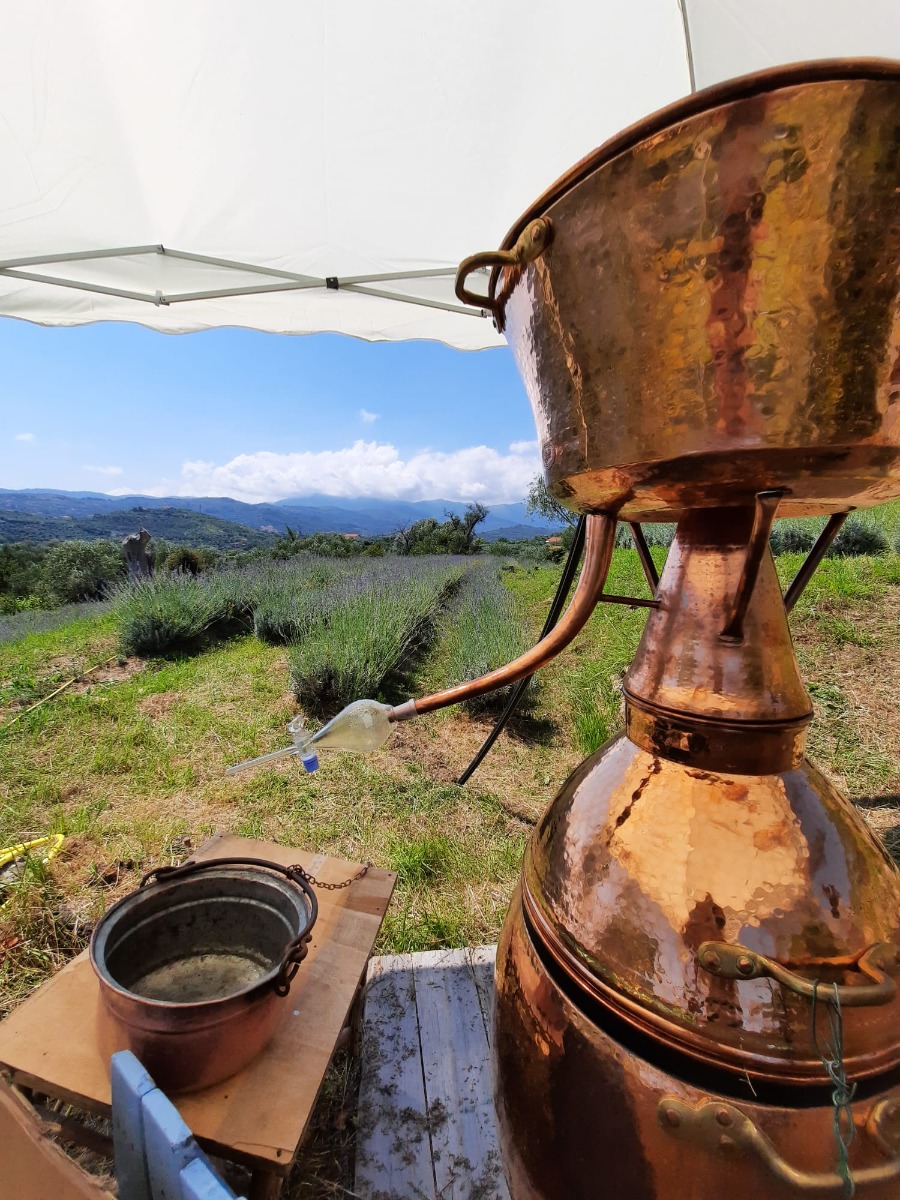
x=105 y=470
x=24 y=437
x=523 y=447
x=363 y=469
x=368 y=417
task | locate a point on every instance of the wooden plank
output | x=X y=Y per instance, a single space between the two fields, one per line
x=456 y=1067
x=259 y=1115
x=130 y=1083
x=31 y=1166
x=482 y=960
x=393 y=1144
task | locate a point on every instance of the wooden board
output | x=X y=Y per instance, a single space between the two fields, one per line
x=259 y=1115
x=31 y=1166
x=426 y=1051
x=393 y=1151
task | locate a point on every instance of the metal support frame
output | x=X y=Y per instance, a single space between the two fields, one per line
x=287 y=281
x=630 y=601
x=763 y=518
x=643 y=550
x=815 y=556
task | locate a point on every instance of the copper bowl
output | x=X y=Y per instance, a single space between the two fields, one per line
x=708 y=306
x=193 y=969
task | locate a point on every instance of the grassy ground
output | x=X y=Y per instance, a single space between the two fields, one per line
x=129 y=765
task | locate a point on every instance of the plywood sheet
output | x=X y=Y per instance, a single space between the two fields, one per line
x=31 y=1166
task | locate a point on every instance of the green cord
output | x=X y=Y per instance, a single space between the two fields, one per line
x=842 y=1095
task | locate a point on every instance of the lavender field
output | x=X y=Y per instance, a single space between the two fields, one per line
x=351 y=627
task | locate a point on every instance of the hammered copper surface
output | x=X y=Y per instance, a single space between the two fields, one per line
x=640 y=860
x=718 y=310
x=584 y=1116
x=684 y=665
x=704 y=822
x=709 y=329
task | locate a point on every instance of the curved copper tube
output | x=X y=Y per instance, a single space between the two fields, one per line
x=600 y=536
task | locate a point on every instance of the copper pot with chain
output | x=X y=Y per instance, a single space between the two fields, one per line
x=194 y=968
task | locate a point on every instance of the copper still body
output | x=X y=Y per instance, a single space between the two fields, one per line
x=706 y=313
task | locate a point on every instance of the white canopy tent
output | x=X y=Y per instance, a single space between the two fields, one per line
x=297 y=166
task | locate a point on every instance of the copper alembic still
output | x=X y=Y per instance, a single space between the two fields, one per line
x=697 y=979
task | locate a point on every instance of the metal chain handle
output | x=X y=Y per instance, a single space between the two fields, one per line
x=329 y=887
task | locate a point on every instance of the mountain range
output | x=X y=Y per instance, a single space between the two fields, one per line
x=64 y=514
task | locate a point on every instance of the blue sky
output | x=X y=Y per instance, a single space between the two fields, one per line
x=120 y=408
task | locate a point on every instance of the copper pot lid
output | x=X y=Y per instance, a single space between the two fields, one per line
x=708 y=306
x=644 y=873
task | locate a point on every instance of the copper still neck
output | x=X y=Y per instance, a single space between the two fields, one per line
x=697 y=693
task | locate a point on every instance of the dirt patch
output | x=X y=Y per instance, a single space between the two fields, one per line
x=866 y=676
x=521 y=774
x=82 y=869
x=158 y=704
x=114 y=672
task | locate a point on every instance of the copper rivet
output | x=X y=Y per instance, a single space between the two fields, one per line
x=711 y=960
x=672 y=1118
x=723 y=1116
x=745 y=964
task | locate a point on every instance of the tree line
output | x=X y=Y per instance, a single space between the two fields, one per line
x=46 y=575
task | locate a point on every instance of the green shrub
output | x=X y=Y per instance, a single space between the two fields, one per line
x=374 y=624
x=182 y=559
x=286 y=616
x=20 y=572
x=858 y=537
x=79 y=570
x=165 y=614
x=789 y=537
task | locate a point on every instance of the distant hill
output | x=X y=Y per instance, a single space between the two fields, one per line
x=515 y=533
x=308 y=514
x=176 y=525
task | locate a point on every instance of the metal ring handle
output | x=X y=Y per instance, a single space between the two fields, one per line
x=532 y=243
x=730 y=961
x=296 y=949
x=718 y=1126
